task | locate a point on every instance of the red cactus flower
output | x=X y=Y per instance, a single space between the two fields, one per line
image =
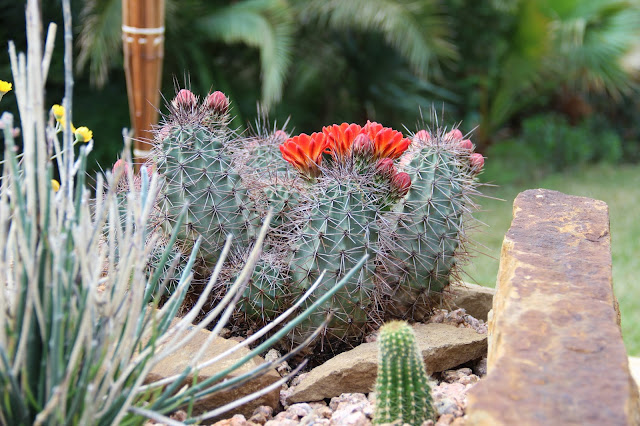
x=422 y=135
x=184 y=100
x=476 y=161
x=454 y=135
x=400 y=184
x=466 y=144
x=387 y=142
x=217 y=102
x=304 y=152
x=386 y=168
x=372 y=128
x=340 y=139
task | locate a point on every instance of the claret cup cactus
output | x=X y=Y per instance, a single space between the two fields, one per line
x=336 y=195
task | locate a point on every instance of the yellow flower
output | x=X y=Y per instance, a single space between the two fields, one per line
x=83 y=134
x=55 y=185
x=5 y=87
x=58 y=112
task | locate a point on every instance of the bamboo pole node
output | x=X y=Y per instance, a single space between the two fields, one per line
x=142 y=31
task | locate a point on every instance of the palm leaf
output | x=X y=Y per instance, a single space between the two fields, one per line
x=591 y=39
x=267 y=25
x=100 y=39
x=417 y=29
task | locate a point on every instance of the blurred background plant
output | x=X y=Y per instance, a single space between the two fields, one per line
x=510 y=69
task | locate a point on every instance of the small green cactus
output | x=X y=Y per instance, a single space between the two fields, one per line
x=402 y=388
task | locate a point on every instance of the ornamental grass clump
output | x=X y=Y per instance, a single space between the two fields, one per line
x=81 y=277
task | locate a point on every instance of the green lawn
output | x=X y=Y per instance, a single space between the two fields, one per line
x=619 y=187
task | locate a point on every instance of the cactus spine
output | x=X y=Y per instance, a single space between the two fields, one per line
x=402 y=388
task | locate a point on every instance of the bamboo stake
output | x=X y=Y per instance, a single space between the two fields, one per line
x=143 y=46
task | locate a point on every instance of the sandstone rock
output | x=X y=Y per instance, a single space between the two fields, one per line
x=176 y=363
x=442 y=346
x=475 y=299
x=556 y=354
x=634 y=366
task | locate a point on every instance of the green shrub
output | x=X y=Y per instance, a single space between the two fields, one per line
x=560 y=146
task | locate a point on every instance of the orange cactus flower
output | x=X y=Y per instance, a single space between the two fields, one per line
x=340 y=139
x=387 y=143
x=304 y=152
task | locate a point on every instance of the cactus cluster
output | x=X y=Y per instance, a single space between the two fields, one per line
x=402 y=389
x=335 y=195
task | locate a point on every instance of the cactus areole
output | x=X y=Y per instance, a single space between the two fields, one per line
x=335 y=194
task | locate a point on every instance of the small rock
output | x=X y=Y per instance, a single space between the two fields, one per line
x=314 y=421
x=237 y=420
x=349 y=418
x=285 y=415
x=282 y=422
x=358 y=400
x=300 y=409
x=480 y=368
x=468 y=380
x=445 y=420
x=447 y=406
x=476 y=300
x=261 y=414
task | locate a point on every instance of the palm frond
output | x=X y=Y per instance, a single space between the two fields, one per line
x=267 y=25
x=417 y=29
x=591 y=40
x=100 y=39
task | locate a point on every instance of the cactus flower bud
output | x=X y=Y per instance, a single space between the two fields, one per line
x=476 y=161
x=454 y=135
x=184 y=100
x=362 y=145
x=400 y=184
x=217 y=102
x=280 y=135
x=386 y=168
x=121 y=166
x=466 y=144
x=422 y=135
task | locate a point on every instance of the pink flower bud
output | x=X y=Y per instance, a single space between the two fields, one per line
x=422 y=135
x=466 y=144
x=184 y=100
x=476 y=161
x=280 y=135
x=121 y=166
x=217 y=102
x=386 y=168
x=454 y=135
x=400 y=184
x=362 y=145
x=150 y=167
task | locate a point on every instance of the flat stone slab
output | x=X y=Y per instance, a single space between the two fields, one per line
x=178 y=361
x=556 y=355
x=443 y=346
x=475 y=299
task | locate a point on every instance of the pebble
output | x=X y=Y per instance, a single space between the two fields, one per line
x=237 y=420
x=300 y=409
